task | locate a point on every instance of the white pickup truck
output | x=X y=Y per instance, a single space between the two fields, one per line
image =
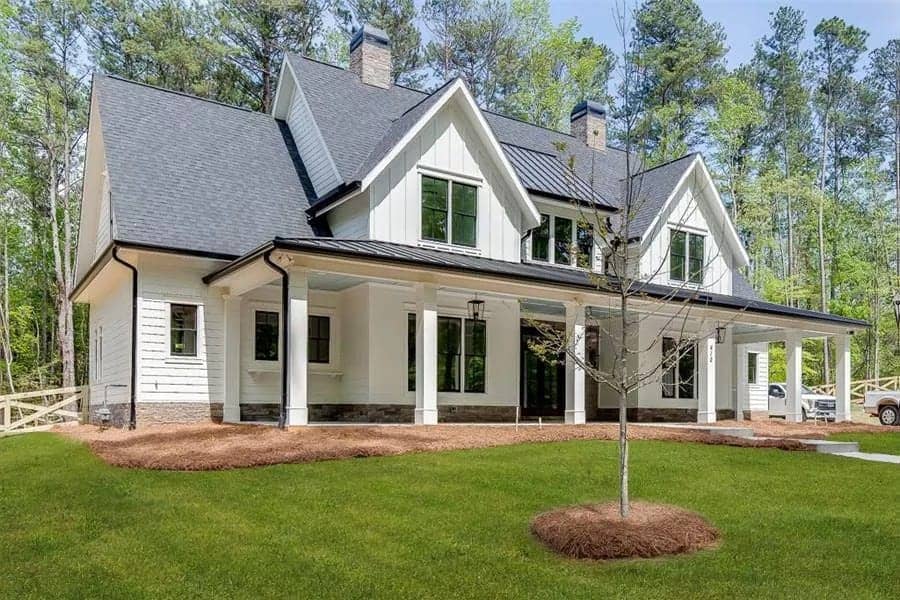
x=884 y=405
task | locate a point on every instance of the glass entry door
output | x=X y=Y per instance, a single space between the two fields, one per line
x=543 y=385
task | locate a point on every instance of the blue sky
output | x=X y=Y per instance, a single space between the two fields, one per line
x=745 y=21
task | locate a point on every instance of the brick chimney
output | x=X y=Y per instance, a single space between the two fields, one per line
x=370 y=56
x=587 y=122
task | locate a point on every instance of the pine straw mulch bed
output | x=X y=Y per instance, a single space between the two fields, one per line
x=597 y=532
x=210 y=447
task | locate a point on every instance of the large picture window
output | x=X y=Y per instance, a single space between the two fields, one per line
x=319 y=339
x=459 y=356
x=183 y=330
x=449 y=212
x=265 y=337
x=678 y=376
x=687 y=252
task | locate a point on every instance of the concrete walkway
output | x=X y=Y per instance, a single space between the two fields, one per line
x=872 y=456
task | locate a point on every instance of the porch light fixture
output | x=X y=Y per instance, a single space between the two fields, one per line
x=897 y=309
x=720 y=334
x=476 y=309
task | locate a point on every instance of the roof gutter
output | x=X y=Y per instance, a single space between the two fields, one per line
x=132 y=409
x=285 y=332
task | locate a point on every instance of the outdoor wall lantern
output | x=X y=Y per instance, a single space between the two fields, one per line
x=897 y=309
x=476 y=309
x=720 y=334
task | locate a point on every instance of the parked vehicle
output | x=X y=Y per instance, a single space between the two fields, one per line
x=884 y=405
x=811 y=403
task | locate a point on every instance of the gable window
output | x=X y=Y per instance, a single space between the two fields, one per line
x=460 y=357
x=265 y=335
x=319 y=345
x=752 y=370
x=449 y=212
x=540 y=240
x=183 y=330
x=686 y=256
x=562 y=241
x=678 y=376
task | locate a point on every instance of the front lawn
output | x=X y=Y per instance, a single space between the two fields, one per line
x=882 y=443
x=795 y=525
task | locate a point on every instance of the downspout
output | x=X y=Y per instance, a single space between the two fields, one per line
x=132 y=418
x=285 y=304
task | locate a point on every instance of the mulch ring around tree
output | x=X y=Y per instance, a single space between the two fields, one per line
x=598 y=532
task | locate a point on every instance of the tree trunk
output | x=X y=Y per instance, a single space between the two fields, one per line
x=624 y=505
x=823 y=294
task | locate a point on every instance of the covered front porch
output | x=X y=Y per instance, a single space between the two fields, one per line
x=389 y=340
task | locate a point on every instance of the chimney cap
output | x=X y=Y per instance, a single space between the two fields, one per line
x=587 y=107
x=372 y=34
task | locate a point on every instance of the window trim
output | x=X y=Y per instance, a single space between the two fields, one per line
x=686 y=277
x=576 y=223
x=754 y=380
x=200 y=357
x=329 y=339
x=253 y=312
x=676 y=368
x=461 y=316
x=451 y=179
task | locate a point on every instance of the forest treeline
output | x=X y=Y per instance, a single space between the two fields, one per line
x=803 y=140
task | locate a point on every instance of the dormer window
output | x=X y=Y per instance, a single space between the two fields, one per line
x=449 y=212
x=686 y=256
x=563 y=241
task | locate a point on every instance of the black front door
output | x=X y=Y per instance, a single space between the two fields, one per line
x=543 y=385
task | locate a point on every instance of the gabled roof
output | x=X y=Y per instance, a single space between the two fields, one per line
x=653 y=188
x=197 y=175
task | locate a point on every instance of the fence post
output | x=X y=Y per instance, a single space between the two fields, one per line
x=85 y=404
x=7 y=414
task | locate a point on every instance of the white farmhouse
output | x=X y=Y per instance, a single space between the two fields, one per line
x=321 y=263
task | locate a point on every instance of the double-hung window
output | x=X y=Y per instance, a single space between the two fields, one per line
x=686 y=256
x=265 y=335
x=183 y=330
x=563 y=241
x=319 y=339
x=449 y=212
x=678 y=375
x=461 y=354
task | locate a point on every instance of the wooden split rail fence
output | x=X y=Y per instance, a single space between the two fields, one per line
x=859 y=388
x=38 y=411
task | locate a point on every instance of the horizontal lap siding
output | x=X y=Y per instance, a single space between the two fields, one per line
x=164 y=378
x=758 y=393
x=113 y=314
x=310 y=146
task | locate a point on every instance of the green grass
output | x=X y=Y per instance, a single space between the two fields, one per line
x=882 y=443
x=795 y=525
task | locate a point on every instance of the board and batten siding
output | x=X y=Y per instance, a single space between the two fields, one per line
x=754 y=397
x=310 y=145
x=693 y=215
x=110 y=336
x=447 y=146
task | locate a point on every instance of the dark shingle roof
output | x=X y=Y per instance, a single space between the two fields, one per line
x=531 y=272
x=197 y=175
x=741 y=287
x=652 y=188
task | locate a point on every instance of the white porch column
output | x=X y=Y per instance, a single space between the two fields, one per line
x=231 y=409
x=574 y=371
x=706 y=380
x=426 y=355
x=793 y=346
x=842 y=378
x=298 y=327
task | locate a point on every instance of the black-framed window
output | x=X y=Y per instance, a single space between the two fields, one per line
x=411 y=352
x=585 y=244
x=449 y=342
x=465 y=214
x=752 y=366
x=476 y=355
x=183 y=330
x=319 y=339
x=680 y=366
x=562 y=241
x=687 y=252
x=449 y=212
x=540 y=240
x=266 y=334
x=435 y=200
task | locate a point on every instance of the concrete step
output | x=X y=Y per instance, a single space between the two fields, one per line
x=823 y=446
x=742 y=432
